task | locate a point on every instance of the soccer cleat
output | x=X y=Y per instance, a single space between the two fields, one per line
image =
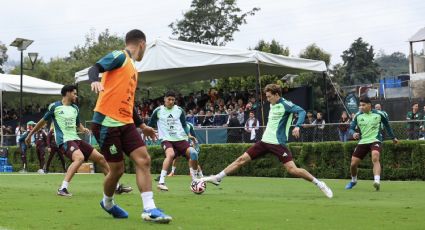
x=325 y=189
x=377 y=186
x=156 y=215
x=23 y=170
x=64 y=192
x=162 y=187
x=211 y=179
x=40 y=171
x=123 y=189
x=116 y=211
x=171 y=174
x=350 y=185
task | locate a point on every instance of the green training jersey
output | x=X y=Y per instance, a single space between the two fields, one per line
x=280 y=120
x=65 y=119
x=370 y=125
x=171 y=123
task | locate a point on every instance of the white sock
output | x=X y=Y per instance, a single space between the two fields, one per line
x=315 y=181
x=108 y=202
x=377 y=178
x=220 y=175
x=162 y=177
x=64 y=185
x=118 y=185
x=353 y=178
x=200 y=173
x=192 y=173
x=147 y=199
x=173 y=169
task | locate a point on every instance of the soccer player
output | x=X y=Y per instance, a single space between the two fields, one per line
x=53 y=150
x=173 y=132
x=369 y=122
x=40 y=148
x=274 y=140
x=115 y=121
x=23 y=147
x=66 y=120
x=193 y=143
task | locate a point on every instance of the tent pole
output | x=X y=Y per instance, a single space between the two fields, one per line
x=1 y=107
x=412 y=64
x=258 y=95
x=326 y=97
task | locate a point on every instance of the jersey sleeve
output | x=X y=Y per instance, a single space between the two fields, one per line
x=353 y=124
x=387 y=126
x=154 y=118
x=111 y=61
x=191 y=130
x=50 y=114
x=77 y=121
x=183 y=121
x=292 y=108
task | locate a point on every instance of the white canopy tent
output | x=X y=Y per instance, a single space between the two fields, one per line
x=172 y=61
x=12 y=83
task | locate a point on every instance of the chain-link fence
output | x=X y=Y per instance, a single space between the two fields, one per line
x=403 y=130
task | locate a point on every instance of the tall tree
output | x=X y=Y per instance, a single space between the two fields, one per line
x=393 y=64
x=3 y=56
x=210 y=22
x=359 y=63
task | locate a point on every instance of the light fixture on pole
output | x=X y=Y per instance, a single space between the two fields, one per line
x=22 y=44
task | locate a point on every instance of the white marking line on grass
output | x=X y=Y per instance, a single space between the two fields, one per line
x=3 y=228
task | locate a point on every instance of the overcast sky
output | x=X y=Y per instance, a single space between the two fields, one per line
x=57 y=26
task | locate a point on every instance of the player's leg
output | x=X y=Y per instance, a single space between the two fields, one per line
x=173 y=167
x=355 y=161
x=200 y=174
x=40 y=156
x=292 y=169
x=142 y=163
x=24 y=157
x=77 y=158
x=233 y=167
x=169 y=156
x=376 y=169
x=192 y=155
x=61 y=158
x=49 y=160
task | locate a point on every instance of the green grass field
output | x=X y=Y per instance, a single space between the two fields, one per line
x=30 y=202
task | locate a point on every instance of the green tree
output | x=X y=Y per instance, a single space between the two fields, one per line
x=3 y=56
x=359 y=63
x=392 y=65
x=210 y=22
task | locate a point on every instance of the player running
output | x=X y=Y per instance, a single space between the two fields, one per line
x=173 y=132
x=40 y=148
x=115 y=121
x=66 y=120
x=274 y=140
x=369 y=122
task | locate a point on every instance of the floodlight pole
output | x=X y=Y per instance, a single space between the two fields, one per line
x=20 y=92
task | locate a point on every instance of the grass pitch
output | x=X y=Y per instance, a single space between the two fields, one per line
x=30 y=202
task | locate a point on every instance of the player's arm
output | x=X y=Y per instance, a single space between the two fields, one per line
x=111 y=61
x=40 y=124
x=292 y=108
x=138 y=122
x=154 y=118
x=388 y=128
x=353 y=126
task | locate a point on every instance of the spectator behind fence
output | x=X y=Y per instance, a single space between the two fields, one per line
x=241 y=116
x=234 y=131
x=379 y=108
x=413 y=125
x=251 y=128
x=191 y=118
x=209 y=119
x=219 y=118
x=319 y=127
x=200 y=118
x=308 y=127
x=343 y=126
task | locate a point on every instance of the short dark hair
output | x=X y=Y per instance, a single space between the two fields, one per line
x=273 y=89
x=134 y=36
x=365 y=99
x=170 y=94
x=68 y=88
x=415 y=103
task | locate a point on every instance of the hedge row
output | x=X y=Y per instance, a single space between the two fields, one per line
x=405 y=161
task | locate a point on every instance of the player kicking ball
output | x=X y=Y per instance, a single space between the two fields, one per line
x=66 y=120
x=369 y=122
x=274 y=140
x=173 y=132
x=114 y=125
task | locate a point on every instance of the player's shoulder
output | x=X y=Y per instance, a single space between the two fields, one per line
x=117 y=53
x=358 y=114
x=53 y=105
x=75 y=106
x=378 y=112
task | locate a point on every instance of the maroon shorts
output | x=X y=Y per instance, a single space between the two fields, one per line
x=362 y=150
x=114 y=141
x=260 y=148
x=179 y=147
x=70 y=147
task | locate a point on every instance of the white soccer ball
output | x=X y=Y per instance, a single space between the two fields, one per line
x=198 y=186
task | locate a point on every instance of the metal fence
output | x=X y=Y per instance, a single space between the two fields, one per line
x=310 y=133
